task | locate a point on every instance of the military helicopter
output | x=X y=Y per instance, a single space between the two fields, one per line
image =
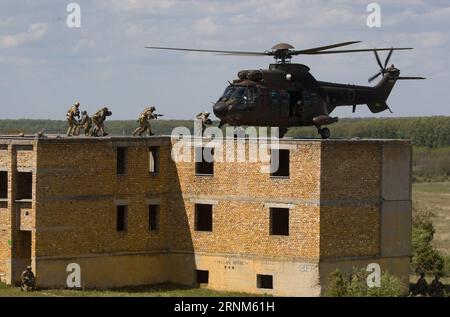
x=287 y=95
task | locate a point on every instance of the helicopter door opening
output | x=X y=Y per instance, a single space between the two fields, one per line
x=295 y=104
x=280 y=100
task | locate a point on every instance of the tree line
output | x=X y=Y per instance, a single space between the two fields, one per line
x=427 y=132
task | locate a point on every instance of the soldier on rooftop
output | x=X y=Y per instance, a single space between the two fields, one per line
x=85 y=123
x=99 y=122
x=144 y=121
x=71 y=116
x=204 y=118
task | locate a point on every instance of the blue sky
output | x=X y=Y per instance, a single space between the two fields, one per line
x=46 y=66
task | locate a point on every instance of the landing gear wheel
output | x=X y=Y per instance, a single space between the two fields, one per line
x=325 y=133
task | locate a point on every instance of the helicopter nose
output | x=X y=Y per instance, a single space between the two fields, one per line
x=220 y=110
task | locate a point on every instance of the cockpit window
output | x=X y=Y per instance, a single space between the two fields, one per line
x=239 y=93
x=234 y=92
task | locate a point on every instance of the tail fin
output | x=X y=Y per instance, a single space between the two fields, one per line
x=376 y=107
x=384 y=87
x=383 y=90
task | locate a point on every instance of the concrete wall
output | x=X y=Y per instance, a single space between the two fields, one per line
x=233 y=272
x=103 y=271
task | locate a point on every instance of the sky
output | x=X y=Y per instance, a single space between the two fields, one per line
x=45 y=66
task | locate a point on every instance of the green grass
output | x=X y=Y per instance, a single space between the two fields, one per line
x=160 y=290
x=436 y=197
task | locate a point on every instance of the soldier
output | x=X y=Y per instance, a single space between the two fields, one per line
x=421 y=287
x=204 y=118
x=436 y=287
x=85 y=123
x=28 y=280
x=298 y=108
x=144 y=121
x=71 y=114
x=98 y=119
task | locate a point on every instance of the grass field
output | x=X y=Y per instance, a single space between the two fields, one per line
x=436 y=197
x=161 y=290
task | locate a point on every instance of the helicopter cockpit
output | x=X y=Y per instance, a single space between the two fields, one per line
x=240 y=97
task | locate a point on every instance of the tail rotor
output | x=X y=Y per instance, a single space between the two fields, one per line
x=383 y=68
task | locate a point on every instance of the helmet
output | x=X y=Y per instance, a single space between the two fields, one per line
x=77 y=104
x=29 y=267
x=152 y=108
x=84 y=112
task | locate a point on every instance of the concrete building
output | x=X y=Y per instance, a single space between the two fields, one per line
x=124 y=211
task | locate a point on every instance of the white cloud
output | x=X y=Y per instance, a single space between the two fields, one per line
x=131 y=5
x=430 y=39
x=35 y=32
x=419 y=39
x=6 y=21
x=280 y=9
x=84 y=43
x=22 y=61
x=206 y=26
x=334 y=16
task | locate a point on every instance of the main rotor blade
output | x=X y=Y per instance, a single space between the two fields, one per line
x=242 y=54
x=411 y=78
x=207 y=51
x=321 y=48
x=358 y=50
x=378 y=59
x=388 y=58
x=374 y=77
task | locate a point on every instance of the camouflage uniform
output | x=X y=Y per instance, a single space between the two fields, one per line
x=71 y=114
x=144 y=121
x=85 y=123
x=204 y=118
x=436 y=288
x=98 y=119
x=421 y=287
x=28 y=280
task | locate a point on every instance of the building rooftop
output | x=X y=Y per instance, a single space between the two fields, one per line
x=63 y=137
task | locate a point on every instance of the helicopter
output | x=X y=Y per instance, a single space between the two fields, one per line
x=287 y=94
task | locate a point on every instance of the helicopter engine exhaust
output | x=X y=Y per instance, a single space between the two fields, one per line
x=253 y=75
